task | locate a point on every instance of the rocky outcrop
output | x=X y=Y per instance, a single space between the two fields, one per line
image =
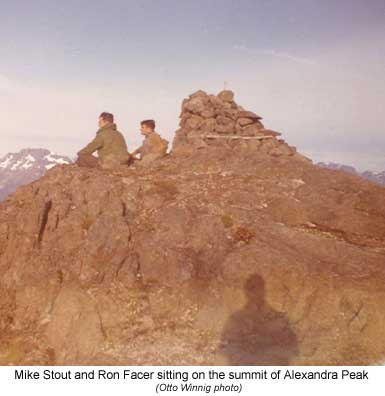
x=224 y=255
x=217 y=120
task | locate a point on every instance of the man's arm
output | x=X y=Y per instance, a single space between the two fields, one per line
x=96 y=144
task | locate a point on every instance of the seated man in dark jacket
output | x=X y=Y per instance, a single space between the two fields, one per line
x=109 y=144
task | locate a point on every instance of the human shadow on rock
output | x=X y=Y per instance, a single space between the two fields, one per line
x=257 y=334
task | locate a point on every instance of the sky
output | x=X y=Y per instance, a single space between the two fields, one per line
x=313 y=69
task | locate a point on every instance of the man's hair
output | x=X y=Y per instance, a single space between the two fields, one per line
x=148 y=123
x=107 y=116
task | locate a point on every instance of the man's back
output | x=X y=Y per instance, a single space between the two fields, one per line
x=154 y=145
x=110 y=145
x=113 y=143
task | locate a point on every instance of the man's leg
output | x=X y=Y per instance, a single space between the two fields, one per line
x=148 y=159
x=88 y=161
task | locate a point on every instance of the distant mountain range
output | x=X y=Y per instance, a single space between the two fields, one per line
x=376 y=177
x=26 y=166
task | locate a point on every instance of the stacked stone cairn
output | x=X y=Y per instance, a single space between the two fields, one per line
x=208 y=120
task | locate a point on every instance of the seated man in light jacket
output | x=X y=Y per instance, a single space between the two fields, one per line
x=153 y=146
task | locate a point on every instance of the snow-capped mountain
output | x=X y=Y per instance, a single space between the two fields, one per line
x=376 y=177
x=26 y=166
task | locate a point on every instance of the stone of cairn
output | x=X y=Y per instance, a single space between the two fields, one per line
x=218 y=120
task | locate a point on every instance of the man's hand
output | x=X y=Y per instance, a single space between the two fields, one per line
x=136 y=152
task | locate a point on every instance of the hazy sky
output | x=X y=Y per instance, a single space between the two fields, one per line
x=314 y=69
